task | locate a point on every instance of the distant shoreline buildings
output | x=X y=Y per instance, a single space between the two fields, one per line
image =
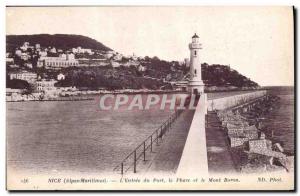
x=31 y=67
x=26 y=60
x=63 y=61
x=30 y=77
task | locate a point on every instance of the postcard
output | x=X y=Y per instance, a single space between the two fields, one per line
x=150 y=98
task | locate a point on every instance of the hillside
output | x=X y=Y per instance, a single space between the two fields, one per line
x=223 y=75
x=62 y=41
x=141 y=73
x=158 y=74
x=214 y=75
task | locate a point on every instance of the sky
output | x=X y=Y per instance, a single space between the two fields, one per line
x=255 y=41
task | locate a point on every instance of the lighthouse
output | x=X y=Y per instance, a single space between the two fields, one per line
x=196 y=84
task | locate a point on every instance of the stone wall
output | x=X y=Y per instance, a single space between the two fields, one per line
x=236 y=141
x=231 y=101
x=193 y=162
x=258 y=145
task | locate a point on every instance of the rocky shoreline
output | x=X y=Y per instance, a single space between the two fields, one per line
x=78 y=95
x=251 y=150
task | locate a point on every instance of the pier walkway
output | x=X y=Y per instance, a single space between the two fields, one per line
x=190 y=148
x=218 y=153
x=169 y=152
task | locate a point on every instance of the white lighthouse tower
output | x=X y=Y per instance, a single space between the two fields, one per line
x=196 y=84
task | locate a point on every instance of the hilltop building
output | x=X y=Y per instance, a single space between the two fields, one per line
x=53 y=50
x=82 y=50
x=63 y=61
x=30 y=77
x=42 y=53
x=109 y=54
x=25 y=56
x=141 y=68
x=18 y=52
x=60 y=76
x=118 y=57
x=114 y=64
x=9 y=60
x=25 y=46
x=45 y=85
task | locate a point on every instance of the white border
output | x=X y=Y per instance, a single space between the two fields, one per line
x=152 y=2
x=296 y=3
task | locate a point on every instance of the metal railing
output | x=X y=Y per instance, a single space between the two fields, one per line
x=132 y=159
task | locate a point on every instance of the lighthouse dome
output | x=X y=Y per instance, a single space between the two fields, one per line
x=195 y=36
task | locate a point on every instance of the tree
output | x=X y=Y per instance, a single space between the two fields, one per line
x=17 y=84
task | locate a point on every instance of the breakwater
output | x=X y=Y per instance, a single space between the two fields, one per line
x=248 y=146
x=251 y=150
x=231 y=101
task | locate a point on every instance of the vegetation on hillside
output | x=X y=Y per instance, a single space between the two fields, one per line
x=143 y=73
x=222 y=75
x=107 y=78
x=17 y=84
x=158 y=73
x=61 y=41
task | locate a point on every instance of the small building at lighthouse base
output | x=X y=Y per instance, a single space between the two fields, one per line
x=196 y=87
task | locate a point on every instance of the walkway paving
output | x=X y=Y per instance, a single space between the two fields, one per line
x=219 y=156
x=170 y=150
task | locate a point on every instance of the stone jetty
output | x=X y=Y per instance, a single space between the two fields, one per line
x=247 y=140
x=222 y=135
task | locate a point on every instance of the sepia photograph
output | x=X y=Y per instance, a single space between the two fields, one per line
x=150 y=98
